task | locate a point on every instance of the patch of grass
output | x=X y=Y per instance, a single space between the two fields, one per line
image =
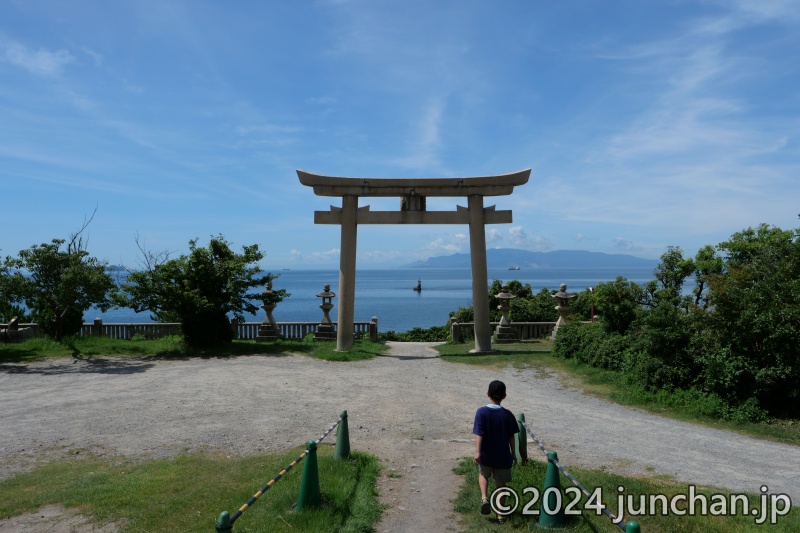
x=611 y=385
x=188 y=493
x=520 y=355
x=362 y=349
x=173 y=346
x=532 y=475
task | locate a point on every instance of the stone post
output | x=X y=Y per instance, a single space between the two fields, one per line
x=455 y=331
x=373 y=329
x=347 y=273
x=480 y=281
x=97 y=327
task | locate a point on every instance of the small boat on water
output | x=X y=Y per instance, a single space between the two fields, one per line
x=513 y=268
x=418 y=288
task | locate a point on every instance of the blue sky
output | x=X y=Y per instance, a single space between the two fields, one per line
x=645 y=124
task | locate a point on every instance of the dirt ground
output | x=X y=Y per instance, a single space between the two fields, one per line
x=408 y=407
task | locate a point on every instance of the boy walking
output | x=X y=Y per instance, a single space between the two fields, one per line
x=495 y=428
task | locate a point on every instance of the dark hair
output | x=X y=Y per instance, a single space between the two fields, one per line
x=497 y=390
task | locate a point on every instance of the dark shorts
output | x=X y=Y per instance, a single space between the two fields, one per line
x=501 y=475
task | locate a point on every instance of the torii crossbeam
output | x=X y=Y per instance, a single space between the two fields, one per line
x=412 y=193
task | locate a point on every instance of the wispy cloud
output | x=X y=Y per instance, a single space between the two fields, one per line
x=451 y=244
x=40 y=62
x=624 y=244
x=323 y=257
x=425 y=143
x=519 y=239
x=493 y=236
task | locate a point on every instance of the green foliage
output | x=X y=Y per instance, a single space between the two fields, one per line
x=463 y=314
x=525 y=307
x=755 y=323
x=58 y=282
x=539 y=307
x=199 y=290
x=591 y=344
x=618 y=303
x=735 y=339
x=431 y=334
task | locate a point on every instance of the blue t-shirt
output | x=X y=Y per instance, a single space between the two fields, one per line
x=496 y=425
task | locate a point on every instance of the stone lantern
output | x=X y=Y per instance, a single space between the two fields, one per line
x=325 y=331
x=563 y=308
x=504 y=332
x=268 y=331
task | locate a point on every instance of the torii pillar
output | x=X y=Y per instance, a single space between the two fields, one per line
x=412 y=193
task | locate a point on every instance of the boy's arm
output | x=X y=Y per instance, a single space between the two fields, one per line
x=478 y=442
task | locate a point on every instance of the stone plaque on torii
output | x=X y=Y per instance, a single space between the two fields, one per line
x=412 y=193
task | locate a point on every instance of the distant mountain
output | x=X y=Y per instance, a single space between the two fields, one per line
x=510 y=257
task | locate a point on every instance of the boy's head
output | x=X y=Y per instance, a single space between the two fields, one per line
x=497 y=390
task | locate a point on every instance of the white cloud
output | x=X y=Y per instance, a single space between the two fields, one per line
x=493 y=236
x=517 y=236
x=323 y=257
x=40 y=62
x=381 y=256
x=452 y=244
x=624 y=244
x=520 y=239
x=97 y=57
x=424 y=149
x=321 y=100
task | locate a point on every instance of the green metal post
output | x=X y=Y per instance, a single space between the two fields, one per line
x=521 y=444
x=224 y=522
x=309 y=484
x=551 y=513
x=342 y=450
x=633 y=527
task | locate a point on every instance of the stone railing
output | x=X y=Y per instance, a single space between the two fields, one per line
x=155 y=330
x=298 y=330
x=461 y=331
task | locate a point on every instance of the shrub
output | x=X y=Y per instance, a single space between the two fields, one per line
x=432 y=334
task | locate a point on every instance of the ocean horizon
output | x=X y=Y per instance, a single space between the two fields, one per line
x=388 y=293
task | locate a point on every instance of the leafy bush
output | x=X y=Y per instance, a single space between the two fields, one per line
x=432 y=334
x=198 y=290
x=591 y=344
x=58 y=282
x=731 y=347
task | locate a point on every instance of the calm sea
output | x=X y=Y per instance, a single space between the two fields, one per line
x=389 y=294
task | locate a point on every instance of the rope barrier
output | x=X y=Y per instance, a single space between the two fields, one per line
x=622 y=525
x=282 y=473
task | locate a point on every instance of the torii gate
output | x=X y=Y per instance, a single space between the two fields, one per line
x=412 y=193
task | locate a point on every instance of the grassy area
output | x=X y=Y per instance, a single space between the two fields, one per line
x=612 y=386
x=533 y=475
x=34 y=349
x=188 y=493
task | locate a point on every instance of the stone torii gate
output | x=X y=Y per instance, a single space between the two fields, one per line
x=412 y=193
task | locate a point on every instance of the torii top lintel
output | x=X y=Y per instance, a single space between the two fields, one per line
x=500 y=185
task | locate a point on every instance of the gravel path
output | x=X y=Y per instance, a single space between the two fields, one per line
x=408 y=407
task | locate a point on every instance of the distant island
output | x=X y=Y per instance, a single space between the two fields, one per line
x=525 y=259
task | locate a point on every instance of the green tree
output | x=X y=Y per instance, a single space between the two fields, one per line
x=755 y=320
x=708 y=264
x=618 y=303
x=57 y=281
x=199 y=290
